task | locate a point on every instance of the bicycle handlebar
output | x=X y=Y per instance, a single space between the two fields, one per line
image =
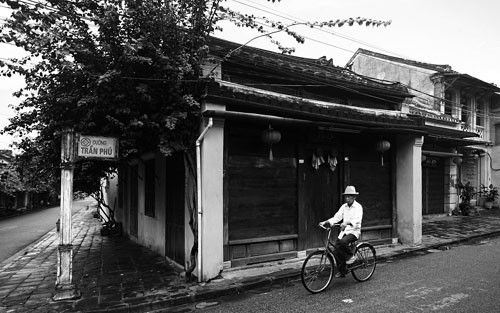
x=336 y=224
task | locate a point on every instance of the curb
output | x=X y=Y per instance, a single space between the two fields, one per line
x=409 y=252
x=25 y=250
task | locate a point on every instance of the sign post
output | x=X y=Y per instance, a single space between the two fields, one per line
x=65 y=289
x=88 y=147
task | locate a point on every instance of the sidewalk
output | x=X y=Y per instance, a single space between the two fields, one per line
x=117 y=275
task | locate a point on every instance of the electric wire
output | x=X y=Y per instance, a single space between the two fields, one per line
x=30 y=2
x=296 y=19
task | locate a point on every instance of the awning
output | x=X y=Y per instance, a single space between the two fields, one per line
x=453 y=141
x=448 y=132
x=245 y=102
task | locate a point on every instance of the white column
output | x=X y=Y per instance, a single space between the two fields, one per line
x=451 y=195
x=212 y=219
x=409 y=190
x=65 y=289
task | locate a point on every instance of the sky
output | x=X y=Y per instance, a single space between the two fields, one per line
x=460 y=33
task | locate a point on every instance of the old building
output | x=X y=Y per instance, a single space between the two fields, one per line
x=281 y=137
x=458 y=112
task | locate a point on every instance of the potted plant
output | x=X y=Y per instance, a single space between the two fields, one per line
x=466 y=192
x=490 y=194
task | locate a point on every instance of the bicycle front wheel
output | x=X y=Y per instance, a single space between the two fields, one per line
x=366 y=261
x=317 y=271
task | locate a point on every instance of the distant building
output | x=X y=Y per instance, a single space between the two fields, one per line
x=13 y=194
x=9 y=197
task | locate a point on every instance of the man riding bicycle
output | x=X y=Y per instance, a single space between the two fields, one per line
x=350 y=214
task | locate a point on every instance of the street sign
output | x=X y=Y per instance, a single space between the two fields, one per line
x=97 y=147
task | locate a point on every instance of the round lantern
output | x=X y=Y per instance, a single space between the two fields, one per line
x=424 y=157
x=457 y=160
x=270 y=137
x=382 y=146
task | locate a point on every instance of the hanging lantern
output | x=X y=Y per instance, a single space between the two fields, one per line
x=457 y=160
x=270 y=137
x=424 y=157
x=382 y=146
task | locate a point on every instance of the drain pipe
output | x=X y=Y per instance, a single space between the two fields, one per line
x=198 y=190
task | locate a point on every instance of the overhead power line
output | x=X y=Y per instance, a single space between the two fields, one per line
x=297 y=19
x=275 y=13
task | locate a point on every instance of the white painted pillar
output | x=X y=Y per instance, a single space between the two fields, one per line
x=451 y=195
x=65 y=289
x=212 y=219
x=409 y=190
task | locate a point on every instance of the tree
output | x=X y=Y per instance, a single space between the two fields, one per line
x=123 y=68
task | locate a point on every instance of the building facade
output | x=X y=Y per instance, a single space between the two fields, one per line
x=280 y=139
x=458 y=111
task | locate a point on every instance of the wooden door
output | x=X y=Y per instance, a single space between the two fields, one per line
x=320 y=199
x=134 y=200
x=174 y=208
x=433 y=186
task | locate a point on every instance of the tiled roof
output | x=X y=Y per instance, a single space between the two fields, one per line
x=471 y=79
x=442 y=68
x=239 y=98
x=318 y=70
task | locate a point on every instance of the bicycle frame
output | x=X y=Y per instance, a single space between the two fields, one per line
x=330 y=248
x=319 y=266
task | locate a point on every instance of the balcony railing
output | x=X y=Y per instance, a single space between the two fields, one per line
x=478 y=130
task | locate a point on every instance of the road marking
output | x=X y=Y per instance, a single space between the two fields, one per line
x=8 y=227
x=448 y=301
x=422 y=292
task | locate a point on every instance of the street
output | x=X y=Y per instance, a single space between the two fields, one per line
x=461 y=279
x=19 y=231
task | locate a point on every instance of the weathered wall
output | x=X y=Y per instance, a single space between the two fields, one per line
x=414 y=77
x=409 y=190
x=152 y=229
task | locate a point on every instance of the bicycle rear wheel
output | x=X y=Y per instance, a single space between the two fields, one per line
x=366 y=261
x=317 y=271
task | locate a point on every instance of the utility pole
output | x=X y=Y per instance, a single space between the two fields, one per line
x=64 y=284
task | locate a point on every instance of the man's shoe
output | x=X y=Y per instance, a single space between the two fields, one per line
x=339 y=275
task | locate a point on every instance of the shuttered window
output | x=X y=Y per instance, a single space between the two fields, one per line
x=149 y=199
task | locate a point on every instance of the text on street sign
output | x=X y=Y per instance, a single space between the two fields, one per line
x=97 y=147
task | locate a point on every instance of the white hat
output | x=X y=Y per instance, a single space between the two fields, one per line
x=350 y=190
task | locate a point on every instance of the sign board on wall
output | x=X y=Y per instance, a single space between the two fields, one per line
x=93 y=147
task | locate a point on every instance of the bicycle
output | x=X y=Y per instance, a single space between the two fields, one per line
x=318 y=267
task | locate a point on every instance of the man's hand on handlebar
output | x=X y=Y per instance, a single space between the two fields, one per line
x=325 y=224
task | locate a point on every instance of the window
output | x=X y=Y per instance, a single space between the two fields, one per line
x=497 y=134
x=149 y=183
x=465 y=109
x=134 y=199
x=448 y=103
x=480 y=113
x=122 y=185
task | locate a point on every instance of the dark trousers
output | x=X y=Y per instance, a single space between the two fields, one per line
x=343 y=251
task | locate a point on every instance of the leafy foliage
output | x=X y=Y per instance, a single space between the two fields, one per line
x=111 y=68
x=9 y=180
x=490 y=193
x=128 y=69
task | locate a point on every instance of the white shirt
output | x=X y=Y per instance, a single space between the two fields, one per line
x=350 y=215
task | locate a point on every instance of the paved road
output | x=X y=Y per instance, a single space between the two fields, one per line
x=19 y=231
x=461 y=279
